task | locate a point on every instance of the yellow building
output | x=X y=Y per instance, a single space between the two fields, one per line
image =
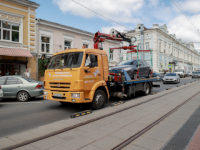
x=17 y=37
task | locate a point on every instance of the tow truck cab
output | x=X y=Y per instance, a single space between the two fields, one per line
x=70 y=77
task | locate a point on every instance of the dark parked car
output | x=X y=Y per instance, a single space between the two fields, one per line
x=20 y=87
x=130 y=66
x=156 y=74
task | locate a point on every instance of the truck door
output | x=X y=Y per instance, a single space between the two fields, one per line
x=92 y=75
x=105 y=67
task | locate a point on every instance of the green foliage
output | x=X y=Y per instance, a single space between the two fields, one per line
x=42 y=64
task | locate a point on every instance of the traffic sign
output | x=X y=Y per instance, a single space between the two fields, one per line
x=169 y=65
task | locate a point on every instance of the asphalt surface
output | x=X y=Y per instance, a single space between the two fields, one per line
x=17 y=116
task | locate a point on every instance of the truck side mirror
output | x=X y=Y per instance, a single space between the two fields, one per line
x=92 y=61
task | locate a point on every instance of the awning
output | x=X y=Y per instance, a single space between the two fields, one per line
x=15 y=52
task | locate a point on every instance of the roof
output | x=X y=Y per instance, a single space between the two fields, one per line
x=68 y=28
x=15 y=52
x=89 y=50
x=27 y=3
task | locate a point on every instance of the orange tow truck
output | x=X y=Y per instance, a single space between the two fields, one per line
x=82 y=75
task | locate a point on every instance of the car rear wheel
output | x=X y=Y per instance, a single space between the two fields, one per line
x=22 y=96
x=99 y=99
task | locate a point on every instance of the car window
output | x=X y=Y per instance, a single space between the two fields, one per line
x=29 y=79
x=145 y=63
x=2 y=81
x=11 y=80
x=19 y=81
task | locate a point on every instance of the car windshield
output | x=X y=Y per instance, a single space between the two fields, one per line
x=29 y=79
x=178 y=70
x=125 y=63
x=170 y=74
x=66 y=60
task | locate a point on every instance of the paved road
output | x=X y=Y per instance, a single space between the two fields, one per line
x=16 y=116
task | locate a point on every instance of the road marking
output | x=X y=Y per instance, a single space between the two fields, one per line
x=20 y=103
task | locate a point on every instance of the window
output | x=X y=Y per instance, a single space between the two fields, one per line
x=160 y=47
x=2 y=81
x=11 y=80
x=139 y=46
x=147 y=45
x=87 y=60
x=45 y=47
x=19 y=81
x=111 y=55
x=67 y=45
x=85 y=45
x=9 y=31
x=67 y=60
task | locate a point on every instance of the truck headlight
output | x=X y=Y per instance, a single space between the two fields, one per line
x=45 y=93
x=75 y=95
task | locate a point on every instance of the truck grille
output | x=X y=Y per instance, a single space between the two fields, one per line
x=56 y=85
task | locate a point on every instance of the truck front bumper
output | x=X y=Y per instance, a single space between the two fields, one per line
x=65 y=97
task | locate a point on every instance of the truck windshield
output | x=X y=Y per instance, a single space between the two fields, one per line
x=66 y=60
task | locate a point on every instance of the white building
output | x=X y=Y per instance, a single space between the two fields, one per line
x=166 y=49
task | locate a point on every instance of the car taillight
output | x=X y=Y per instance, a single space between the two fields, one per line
x=39 y=86
x=0 y=87
x=44 y=83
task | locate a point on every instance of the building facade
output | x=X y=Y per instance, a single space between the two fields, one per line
x=17 y=36
x=168 y=52
x=53 y=37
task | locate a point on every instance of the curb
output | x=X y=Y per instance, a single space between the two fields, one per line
x=117 y=103
x=153 y=93
x=82 y=113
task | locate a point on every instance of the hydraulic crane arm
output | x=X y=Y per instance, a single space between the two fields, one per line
x=118 y=36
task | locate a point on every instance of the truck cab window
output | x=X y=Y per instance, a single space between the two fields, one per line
x=87 y=60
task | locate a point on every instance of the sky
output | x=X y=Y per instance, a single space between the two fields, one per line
x=181 y=18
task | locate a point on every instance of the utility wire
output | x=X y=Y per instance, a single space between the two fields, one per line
x=185 y=16
x=101 y=15
x=184 y=12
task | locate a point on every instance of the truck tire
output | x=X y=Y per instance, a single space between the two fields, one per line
x=147 y=89
x=99 y=99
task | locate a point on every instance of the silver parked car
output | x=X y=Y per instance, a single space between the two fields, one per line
x=20 y=87
x=1 y=94
x=195 y=74
x=171 y=77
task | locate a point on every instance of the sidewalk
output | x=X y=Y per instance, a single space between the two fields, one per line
x=106 y=133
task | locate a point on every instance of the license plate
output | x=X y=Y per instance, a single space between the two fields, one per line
x=58 y=95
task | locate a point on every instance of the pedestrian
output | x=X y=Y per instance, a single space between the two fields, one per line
x=164 y=72
x=27 y=73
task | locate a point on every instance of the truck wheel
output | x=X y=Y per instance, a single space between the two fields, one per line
x=99 y=99
x=147 y=89
x=22 y=96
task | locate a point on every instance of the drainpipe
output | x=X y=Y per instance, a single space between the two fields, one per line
x=37 y=48
x=142 y=39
